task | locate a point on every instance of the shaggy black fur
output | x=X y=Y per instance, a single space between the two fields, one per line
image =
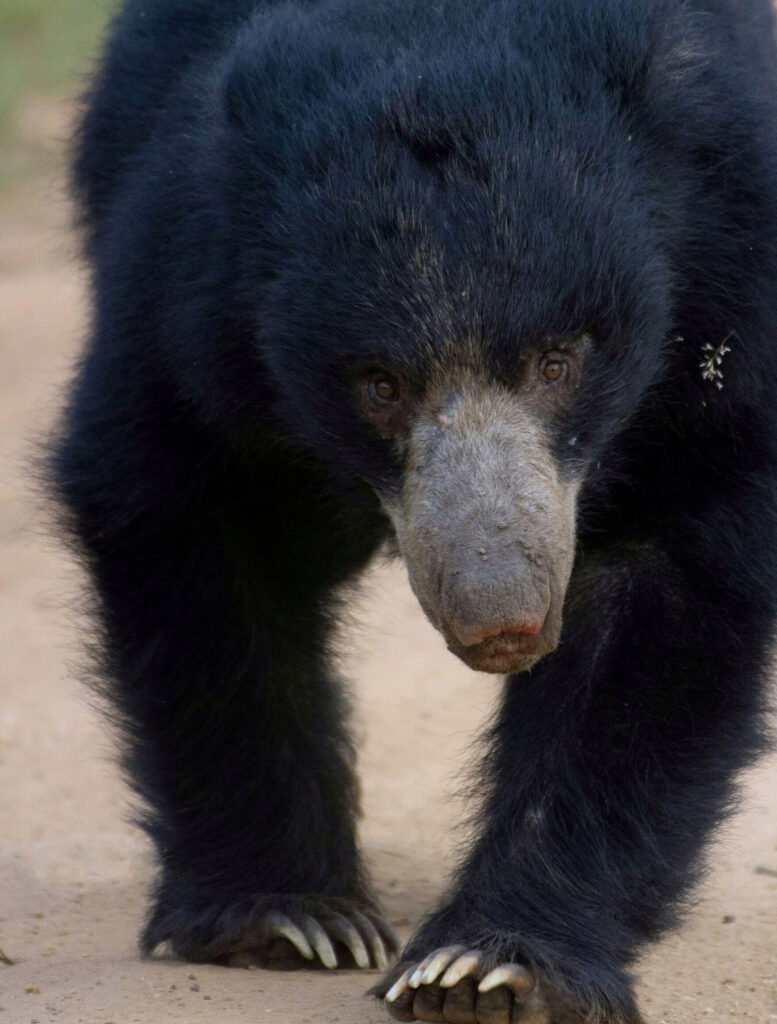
x=276 y=195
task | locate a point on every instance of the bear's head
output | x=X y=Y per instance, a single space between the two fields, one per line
x=463 y=309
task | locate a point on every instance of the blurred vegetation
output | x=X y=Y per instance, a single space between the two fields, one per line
x=46 y=46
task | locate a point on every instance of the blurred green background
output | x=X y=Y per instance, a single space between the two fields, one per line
x=46 y=47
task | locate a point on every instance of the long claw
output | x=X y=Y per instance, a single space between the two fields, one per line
x=513 y=976
x=341 y=928
x=418 y=973
x=370 y=933
x=387 y=933
x=467 y=964
x=284 y=927
x=429 y=969
x=399 y=986
x=320 y=942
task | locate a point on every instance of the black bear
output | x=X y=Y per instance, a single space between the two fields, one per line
x=497 y=281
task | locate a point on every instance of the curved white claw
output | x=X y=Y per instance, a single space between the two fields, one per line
x=418 y=973
x=512 y=976
x=320 y=942
x=399 y=986
x=370 y=933
x=341 y=928
x=390 y=936
x=432 y=966
x=284 y=927
x=469 y=963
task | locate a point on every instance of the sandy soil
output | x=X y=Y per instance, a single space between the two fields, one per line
x=73 y=873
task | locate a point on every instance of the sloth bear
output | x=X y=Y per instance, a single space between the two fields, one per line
x=496 y=281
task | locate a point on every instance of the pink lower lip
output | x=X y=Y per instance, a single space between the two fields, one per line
x=502 y=643
x=532 y=629
x=508 y=633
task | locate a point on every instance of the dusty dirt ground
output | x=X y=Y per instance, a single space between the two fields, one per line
x=73 y=873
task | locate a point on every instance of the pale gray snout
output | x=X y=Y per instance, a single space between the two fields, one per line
x=486 y=526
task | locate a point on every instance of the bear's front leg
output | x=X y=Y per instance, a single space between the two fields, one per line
x=612 y=760
x=214 y=575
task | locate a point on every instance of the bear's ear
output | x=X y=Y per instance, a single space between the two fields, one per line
x=241 y=100
x=275 y=67
x=249 y=82
x=662 y=61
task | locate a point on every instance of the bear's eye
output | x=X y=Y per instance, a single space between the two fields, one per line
x=384 y=389
x=553 y=369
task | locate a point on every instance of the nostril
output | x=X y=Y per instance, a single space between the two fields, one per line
x=472 y=635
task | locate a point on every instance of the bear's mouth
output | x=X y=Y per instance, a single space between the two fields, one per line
x=501 y=654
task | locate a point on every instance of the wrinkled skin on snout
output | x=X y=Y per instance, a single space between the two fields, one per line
x=485 y=521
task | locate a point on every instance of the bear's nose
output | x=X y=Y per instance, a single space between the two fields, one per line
x=471 y=635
